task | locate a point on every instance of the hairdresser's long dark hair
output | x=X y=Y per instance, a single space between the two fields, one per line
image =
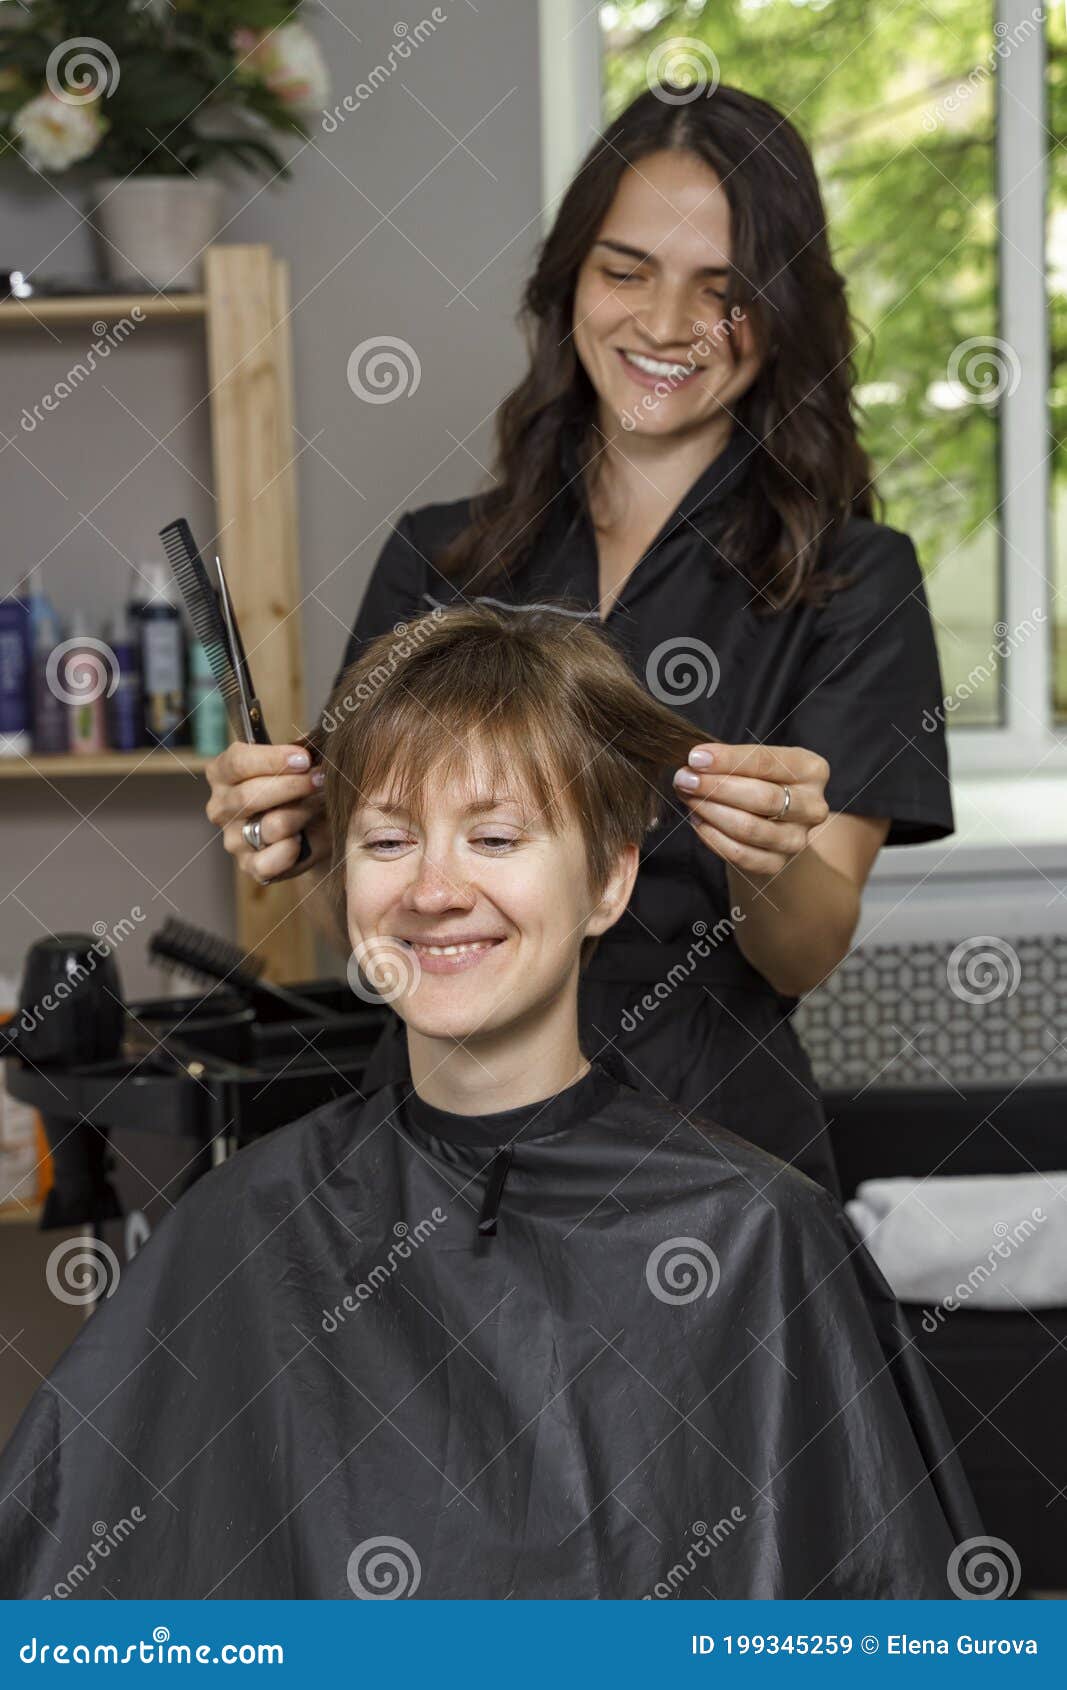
x=808 y=472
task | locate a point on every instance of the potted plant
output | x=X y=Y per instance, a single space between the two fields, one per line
x=151 y=101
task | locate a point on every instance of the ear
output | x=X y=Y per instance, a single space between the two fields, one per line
x=616 y=893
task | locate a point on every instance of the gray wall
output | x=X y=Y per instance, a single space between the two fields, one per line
x=382 y=223
x=431 y=186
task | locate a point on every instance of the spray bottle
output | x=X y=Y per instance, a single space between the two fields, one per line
x=162 y=657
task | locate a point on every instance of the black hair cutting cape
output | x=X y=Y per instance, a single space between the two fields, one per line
x=379 y=1354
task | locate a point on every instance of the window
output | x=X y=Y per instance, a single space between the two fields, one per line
x=928 y=127
x=1056 y=270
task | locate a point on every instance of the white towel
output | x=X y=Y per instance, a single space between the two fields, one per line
x=993 y=1241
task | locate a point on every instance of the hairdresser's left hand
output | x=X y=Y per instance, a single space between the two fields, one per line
x=735 y=791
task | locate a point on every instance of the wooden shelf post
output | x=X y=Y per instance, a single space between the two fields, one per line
x=255 y=489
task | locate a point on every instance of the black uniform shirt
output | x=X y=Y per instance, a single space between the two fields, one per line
x=856 y=680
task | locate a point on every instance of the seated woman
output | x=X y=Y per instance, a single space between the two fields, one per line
x=511 y=1329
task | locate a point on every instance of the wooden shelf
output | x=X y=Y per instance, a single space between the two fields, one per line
x=80 y=308
x=245 y=312
x=144 y=762
x=25 y=1213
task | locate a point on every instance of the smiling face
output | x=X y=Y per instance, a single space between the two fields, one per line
x=479 y=907
x=650 y=326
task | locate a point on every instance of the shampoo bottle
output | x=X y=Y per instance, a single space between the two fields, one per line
x=51 y=713
x=162 y=657
x=47 y=710
x=84 y=678
x=15 y=740
x=125 y=727
x=210 y=722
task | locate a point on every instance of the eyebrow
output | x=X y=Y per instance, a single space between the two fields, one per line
x=478 y=807
x=640 y=257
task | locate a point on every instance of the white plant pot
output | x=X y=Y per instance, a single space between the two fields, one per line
x=155 y=228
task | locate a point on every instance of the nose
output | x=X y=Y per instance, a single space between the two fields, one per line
x=436 y=887
x=665 y=315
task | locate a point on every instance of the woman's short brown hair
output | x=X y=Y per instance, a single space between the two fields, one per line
x=542 y=696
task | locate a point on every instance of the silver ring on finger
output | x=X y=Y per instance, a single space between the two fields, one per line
x=787 y=799
x=252 y=833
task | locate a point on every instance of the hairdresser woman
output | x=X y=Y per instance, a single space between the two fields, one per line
x=680 y=463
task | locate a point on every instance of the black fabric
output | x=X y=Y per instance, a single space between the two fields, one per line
x=857 y=681
x=851 y=680
x=673 y=1371
x=731 y=1056
x=503 y=1127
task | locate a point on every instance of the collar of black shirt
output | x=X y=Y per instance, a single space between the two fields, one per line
x=576 y=1103
x=725 y=472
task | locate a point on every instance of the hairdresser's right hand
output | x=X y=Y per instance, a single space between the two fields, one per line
x=259 y=780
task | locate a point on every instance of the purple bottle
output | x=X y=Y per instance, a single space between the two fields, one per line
x=50 y=713
x=125 y=707
x=15 y=736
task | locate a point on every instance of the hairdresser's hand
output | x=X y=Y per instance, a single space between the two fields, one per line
x=734 y=792
x=264 y=780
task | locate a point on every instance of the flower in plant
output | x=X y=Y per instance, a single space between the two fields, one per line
x=287 y=61
x=55 y=134
x=203 y=82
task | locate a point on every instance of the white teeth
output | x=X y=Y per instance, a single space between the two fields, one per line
x=653 y=366
x=453 y=950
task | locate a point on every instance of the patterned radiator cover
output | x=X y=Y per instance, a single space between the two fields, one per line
x=954 y=1013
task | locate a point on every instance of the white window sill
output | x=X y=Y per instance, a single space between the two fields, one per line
x=1005 y=825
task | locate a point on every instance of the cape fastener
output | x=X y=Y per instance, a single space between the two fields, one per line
x=494 y=1190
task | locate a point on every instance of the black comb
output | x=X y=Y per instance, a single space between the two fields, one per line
x=212 y=621
x=205 y=612
x=193 y=951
